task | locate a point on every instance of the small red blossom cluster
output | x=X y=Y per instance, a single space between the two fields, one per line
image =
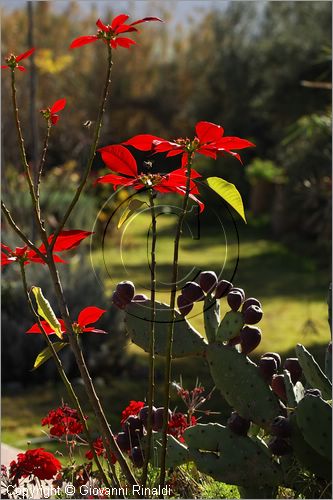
x=50 y=113
x=63 y=421
x=133 y=408
x=35 y=463
x=178 y=425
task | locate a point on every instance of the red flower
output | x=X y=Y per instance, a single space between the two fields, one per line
x=63 y=421
x=132 y=409
x=120 y=160
x=67 y=240
x=208 y=141
x=50 y=113
x=87 y=316
x=12 y=60
x=100 y=450
x=109 y=33
x=178 y=424
x=36 y=463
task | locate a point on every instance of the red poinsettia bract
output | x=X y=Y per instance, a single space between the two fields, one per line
x=109 y=33
x=118 y=159
x=63 y=421
x=12 y=60
x=209 y=141
x=50 y=113
x=35 y=463
x=87 y=316
x=67 y=240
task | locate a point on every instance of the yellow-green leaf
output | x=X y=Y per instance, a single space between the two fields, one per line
x=229 y=193
x=47 y=354
x=46 y=312
x=133 y=206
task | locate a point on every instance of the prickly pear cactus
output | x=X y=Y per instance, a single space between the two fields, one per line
x=177 y=453
x=312 y=372
x=328 y=362
x=230 y=326
x=240 y=383
x=187 y=341
x=306 y=455
x=211 y=314
x=314 y=419
x=294 y=392
x=231 y=458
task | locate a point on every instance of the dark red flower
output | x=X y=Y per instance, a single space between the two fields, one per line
x=63 y=421
x=209 y=141
x=87 y=316
x=118 y=159
x=178 y=425
x=50 y=113
x=12 y=60
x=132 y=409
x=67 y=240
x=36 y=463
x=100 y=450
x=109 y=33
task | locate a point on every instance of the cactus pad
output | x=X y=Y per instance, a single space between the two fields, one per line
x=328 y=364
x=187 y=341
x=314 y=419
x=211 y=313
x=312 y=372
x=241 y=384
x=294 y=392
x=177 y=453
x=230 y=326
x=230 y=458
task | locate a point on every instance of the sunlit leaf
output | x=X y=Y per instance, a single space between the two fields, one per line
x=47 y=354
x=229 y=193
x=133 y=206
x=45 y=310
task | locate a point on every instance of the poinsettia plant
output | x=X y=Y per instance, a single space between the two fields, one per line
x=139 y=419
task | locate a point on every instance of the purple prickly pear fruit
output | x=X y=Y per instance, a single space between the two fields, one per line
x=237 y=289
x=251 y=301
x=143 y=415
x=137 y=456
x=133 y=426
x=158 y=418
x=274 y=355
x=313 y=392
x=140 y=297
x=252 y=315
x=238 y=424
x=281 y=427
x=184 y=305
x=250 y=338
x=234 y=341
x=222 y=289
x=117 y=301
x=235 y=300
x=126 y=291
x=208 y=281
x=192 y=292
x=279 y=446
x=294 y=368
x=267 y=368
x=123 y=441
x=278 y=386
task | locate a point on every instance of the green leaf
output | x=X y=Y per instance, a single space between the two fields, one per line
x=133 y=206
x=45 y=311
x=229 y=193
x=46 y=354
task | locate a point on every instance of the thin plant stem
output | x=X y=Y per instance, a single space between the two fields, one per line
x=151 y=379
x=19 y=232
x=41 y=165
x=92 y=150
x=168 y=361
x=63 y=375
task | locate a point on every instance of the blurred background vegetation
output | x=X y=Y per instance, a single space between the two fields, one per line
x=263 y=71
